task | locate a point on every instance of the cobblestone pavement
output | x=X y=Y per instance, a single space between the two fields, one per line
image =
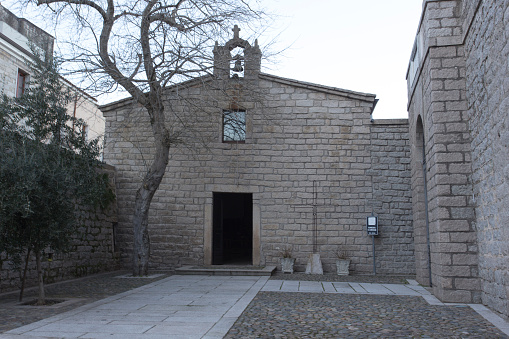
x=315 y=315
x=83 y=290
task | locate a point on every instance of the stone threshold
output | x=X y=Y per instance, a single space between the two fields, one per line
x=226 y=270
x=130 y=276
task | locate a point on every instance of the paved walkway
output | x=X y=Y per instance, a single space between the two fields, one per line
x=175 y=307
x=210 y=306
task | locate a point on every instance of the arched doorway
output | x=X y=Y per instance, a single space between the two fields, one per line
x=421 y=216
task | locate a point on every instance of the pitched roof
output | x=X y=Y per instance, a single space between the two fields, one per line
x=320 y=88
x=371 y=98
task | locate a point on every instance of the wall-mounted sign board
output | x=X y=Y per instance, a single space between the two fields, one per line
x=372 y=225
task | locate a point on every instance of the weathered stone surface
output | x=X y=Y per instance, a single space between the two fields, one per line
x=314 y=265
x=296 y=134
x=458 y=110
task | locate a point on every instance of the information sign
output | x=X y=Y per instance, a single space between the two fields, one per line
x=372 y=225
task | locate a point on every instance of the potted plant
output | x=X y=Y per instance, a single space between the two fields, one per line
x=287 y=261
x=342 y=262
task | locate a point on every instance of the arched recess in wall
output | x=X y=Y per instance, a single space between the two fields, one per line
x=422 y=201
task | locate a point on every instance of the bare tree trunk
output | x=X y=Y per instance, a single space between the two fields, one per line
x=24 y=277
x=144 y=195
x=41 y=300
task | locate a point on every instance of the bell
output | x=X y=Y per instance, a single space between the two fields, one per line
x=238 y=66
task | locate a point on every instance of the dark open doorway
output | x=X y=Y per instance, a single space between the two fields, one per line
x=232 y=229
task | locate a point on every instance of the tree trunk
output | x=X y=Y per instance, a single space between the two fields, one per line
x=24 y=277
x=41 y=300
x=144 y=195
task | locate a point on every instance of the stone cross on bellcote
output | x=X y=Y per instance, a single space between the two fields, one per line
x=236 y=31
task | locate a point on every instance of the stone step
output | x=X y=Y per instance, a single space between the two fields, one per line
x=226 y=270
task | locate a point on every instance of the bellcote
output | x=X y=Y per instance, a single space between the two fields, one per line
x=237 y=58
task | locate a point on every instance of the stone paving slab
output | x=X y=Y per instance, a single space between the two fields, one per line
x=87 y=290
x=491 y=317
x=343 y=287
x=375 y=288
x=200 y=313
x=333 y=277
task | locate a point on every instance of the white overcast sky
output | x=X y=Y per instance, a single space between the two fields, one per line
x=361 y=45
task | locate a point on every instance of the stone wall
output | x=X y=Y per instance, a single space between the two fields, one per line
x=438 y=120
x=390 y=172
x=93 y=251
x=487 y=50
x=297 y=134
x=457 y=100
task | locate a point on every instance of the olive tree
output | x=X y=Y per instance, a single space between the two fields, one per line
x=47 y=167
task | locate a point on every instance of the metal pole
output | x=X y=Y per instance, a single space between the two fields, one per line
x=374 y=258
x=315 y=221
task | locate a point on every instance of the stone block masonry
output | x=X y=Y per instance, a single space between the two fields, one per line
x=444 y=223
x=296 y=134
x=487 y=55
x=390 y=177
x=458 y=111
x=93 y=250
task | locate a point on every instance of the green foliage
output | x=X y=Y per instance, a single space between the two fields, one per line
x=47 y=167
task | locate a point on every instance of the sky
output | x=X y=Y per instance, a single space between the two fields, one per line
x=361 y=45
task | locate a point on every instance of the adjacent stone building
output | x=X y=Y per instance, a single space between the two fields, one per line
x=459 y=136
x=258 y=153
x=16 y=35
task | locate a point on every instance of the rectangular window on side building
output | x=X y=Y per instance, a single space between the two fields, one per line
x=21 y=83
x=84 y=131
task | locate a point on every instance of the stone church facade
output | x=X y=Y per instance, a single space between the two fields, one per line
x=243 y=196
x=260 y=153
x=459 y=135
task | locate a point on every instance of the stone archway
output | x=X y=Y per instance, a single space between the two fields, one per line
x=420 y=207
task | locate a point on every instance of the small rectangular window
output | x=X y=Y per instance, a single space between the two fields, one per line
x=22 y=79
x=234 y=126
x=84 y=131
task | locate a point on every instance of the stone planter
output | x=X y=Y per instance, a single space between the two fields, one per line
x=342 y=266
x=287 y=265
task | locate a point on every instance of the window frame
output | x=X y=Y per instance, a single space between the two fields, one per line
x=223 y=125
x=23 y=77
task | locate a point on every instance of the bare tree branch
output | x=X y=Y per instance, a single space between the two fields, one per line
x=143 y=46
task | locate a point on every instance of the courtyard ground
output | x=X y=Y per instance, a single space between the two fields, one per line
x=286 y=306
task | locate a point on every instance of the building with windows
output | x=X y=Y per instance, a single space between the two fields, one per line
x=265 y=164
x=16 y=35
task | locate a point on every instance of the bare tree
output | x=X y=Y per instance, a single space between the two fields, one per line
x=144 y=46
